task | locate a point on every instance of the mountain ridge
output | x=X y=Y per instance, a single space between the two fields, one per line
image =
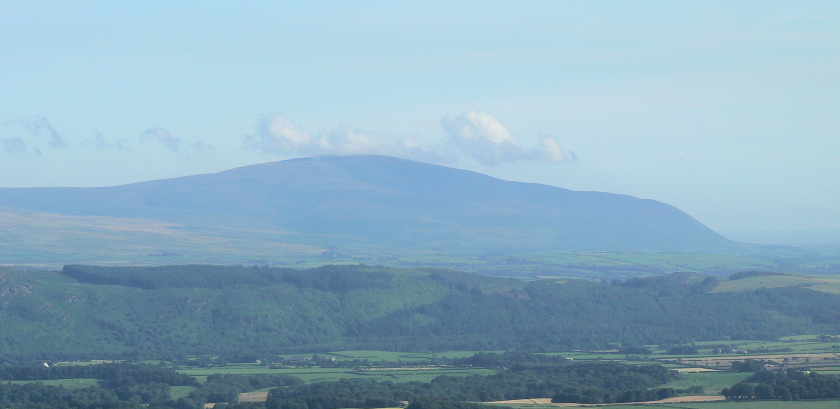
x=385 y=200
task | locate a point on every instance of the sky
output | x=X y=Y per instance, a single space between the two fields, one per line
x=729 y=110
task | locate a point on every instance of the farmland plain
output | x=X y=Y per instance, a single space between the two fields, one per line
x=709 y=369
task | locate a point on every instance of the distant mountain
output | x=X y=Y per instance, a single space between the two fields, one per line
x=387 y=202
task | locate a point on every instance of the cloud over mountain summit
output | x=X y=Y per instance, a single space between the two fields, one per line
x=486 y=140
x=476 y=135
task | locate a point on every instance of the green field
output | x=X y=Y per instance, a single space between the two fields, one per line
x=771 y=347
x=822 y=404
x=401 y=367
x=180 y=392
x=671 y=261
x=314 y=374
x=833 y=404
x=318 y=374
x=397 y=356
x=67 y=383
x=828 y=283
x=711 y=382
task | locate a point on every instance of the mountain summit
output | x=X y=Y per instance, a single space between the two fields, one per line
x=387 y=201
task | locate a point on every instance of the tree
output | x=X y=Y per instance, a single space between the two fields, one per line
x=741 y=391
x=783 y=393
x=763 y=391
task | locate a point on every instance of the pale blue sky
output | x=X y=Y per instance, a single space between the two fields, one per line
x=727 y=110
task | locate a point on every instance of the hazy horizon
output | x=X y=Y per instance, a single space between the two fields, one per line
x=797 y=238
x=726 y=111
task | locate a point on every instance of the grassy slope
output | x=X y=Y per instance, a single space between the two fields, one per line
x=48 y=240
x=51 y=240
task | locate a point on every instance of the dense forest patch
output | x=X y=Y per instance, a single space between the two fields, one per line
x=174 y=311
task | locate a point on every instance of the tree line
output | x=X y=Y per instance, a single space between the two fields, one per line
x=520 y=375
x=787 y=385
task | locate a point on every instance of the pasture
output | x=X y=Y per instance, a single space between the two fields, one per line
x=668 y=261
x=800 y=351
x=399 y=356
x=319 y=374
x=734 y=405
x=687 y=402
x=711 y=382
x=827 y=283
x=77 y=383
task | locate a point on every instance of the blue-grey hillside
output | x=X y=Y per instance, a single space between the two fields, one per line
x=388 y=201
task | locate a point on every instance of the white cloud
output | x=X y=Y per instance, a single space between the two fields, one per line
x=474 y=134
x=486 y=140
x=276 y=134
x=200 y=146
x=163 y=137
x=168 y=141
x=37 y=137
x=33 y=135
x=100 y=143
x=41 y=128
x=552 y=152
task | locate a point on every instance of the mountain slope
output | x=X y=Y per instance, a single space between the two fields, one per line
x=384 y=200
x=118 y=312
